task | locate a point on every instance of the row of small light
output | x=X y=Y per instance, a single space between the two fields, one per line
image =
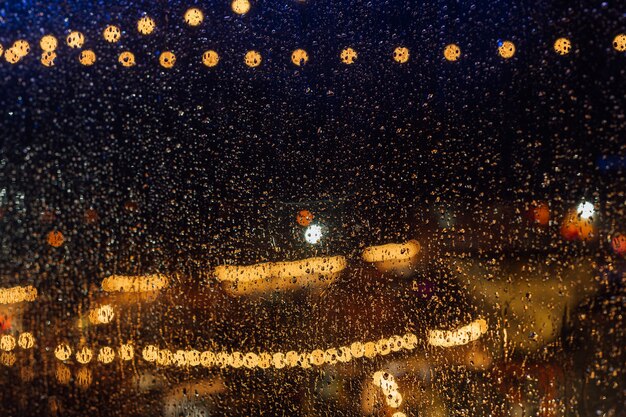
x=210 y=58
x=263 y=360
x=278 y=360
x=25 y=340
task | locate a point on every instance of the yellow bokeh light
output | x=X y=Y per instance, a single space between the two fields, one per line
x=11 y=56
x=250 y=360
x=619 y=42
x=458 y=337
x=299 y=57
x=207 y=359
x=7 y=342
x=452 y=52
x=401 y=54
x=265 y=360
x=278 y=360
x=21 y=48
x=1 y=49
x=240 y=6
x=357 y=349
x=164 y=357
x=112 y=34
x=127 y=59
x=348 y=56
x=252 y=59
x=506 y=49
x=87 y=57
x=193 y=357
x=331 y=356
x=167 y=59
x=17 y=294
x=47 y=58
x=48 y=43
x=210 y=58
x=562 y=46
x=150 y=353
x=317 y=357
x=26 y=340
x=105 y=314
x=134 y=283
x=194 y=16
x=75 y=39
x=127 y=352
x=84 y=355
x=146 y=25
x=63 y=352
x=106 y=355
x=237 y=359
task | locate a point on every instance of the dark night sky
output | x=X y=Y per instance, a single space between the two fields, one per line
x=208 y=152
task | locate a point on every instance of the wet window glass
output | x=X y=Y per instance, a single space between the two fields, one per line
x=312 y=208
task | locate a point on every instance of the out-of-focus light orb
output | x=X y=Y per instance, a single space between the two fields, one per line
x=369 y=349
x=193 y=357
x=265 y=360
x=112 y=34
x=401 y=55
x=382 y=347
x=63 y=352
x=11 y=56
x=619 y=42
x=105 y=314
x=47 y=58
x=506 y=49
x=207 y=359
x=87 y=57
x=240 y=6
x=250 y=360
x=146 y=25
x=585 y=210
x=48 y=43
x=84 y=355
x=299 y=57
x=252 y=59
x=394 y=399
x=194 y=16
x=164 y=357
x=357 y=350
x=237 y=359
x=317 y=357
x=7 y=342
x=150 y=353
x=278 y=360
x=126 y=352
x=398 y=414
x=575 y=226
x=55 y=238
x=26 y=340
x=180 y=359
x=562 y=46
x=127 y=59
x=75 y=39
x=348 y=56
x=304 y=218
x=106 y=355
x=313 y=234
x=167 y=59
x=210 y=58
x=1 y=49
x=452 y=52
x=21 y=47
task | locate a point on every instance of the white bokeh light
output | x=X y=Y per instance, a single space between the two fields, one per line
x=585 y=210
x=313 y=234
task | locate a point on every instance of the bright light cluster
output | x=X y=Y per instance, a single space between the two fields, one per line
x=17 y=294
x=136 y=283
x=458 y=337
